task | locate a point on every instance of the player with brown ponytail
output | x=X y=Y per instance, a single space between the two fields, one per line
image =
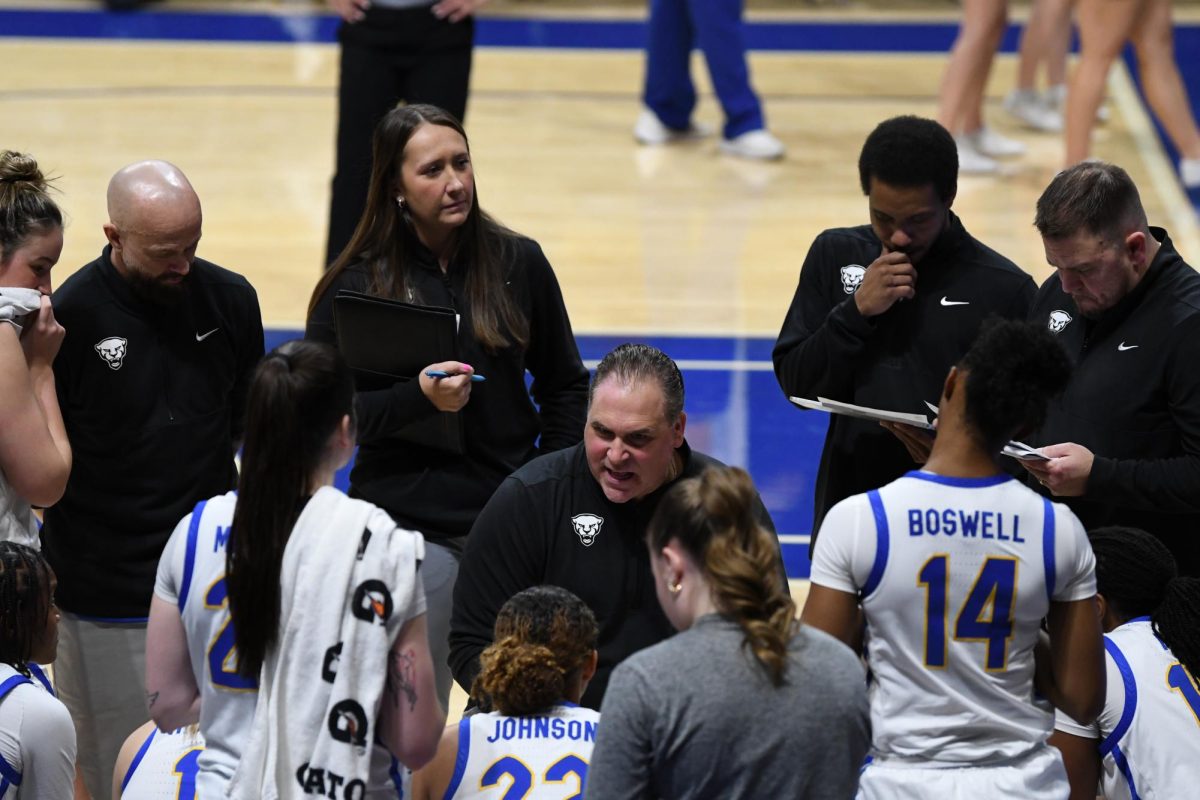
x=699 y=715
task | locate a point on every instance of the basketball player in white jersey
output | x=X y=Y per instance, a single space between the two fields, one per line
x=1146 y=741
x=154 y=764
x=299 y=432
x=537 y=741
x=954 y=568
x=190 y=593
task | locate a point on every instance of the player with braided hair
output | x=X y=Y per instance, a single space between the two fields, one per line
x=954 y=568
x=1146 y=741
x=532 y=677
x=37 y=738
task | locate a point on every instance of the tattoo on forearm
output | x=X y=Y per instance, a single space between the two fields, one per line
x=151 y=699
x=402 y=677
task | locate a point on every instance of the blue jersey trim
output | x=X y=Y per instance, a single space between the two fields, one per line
x=1123 y=765
x=10 y=775
x=7 y=771
x=36 y=671
x=1145 y=618
x=1048 y=557
x=962 y=483
x=881 y=543
x=189 y=556
x=460 y=761
x=1131 y=695
x=397 y=778
x=137 y=759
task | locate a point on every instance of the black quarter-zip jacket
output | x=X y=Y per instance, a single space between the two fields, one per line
x=897 y=360
x=1134 y=401
x=153 y=398
x=550 y=523
x=437 y=493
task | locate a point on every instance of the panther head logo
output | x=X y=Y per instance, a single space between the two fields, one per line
x=852 y=277
x=112 y=350
x=587 y=526
x=1059 y=320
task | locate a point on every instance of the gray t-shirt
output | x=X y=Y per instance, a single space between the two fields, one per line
x=696 y=716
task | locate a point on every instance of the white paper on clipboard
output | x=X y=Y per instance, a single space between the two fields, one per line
x=862 y=412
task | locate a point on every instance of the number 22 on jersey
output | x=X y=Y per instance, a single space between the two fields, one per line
x=986 y=614
x=522 y=776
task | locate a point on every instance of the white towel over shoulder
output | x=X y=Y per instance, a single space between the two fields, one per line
x=348 y=585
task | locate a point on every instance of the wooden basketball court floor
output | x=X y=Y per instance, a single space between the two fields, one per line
x=696 y=251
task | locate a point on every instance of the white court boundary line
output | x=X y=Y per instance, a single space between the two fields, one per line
x=1184 y=227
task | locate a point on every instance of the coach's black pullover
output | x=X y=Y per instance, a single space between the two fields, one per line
x=897 y=360
x=153 y=398
x=1134 y=401
x=437 y=493
x=541 y=528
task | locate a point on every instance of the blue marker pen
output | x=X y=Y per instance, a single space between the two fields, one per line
x=441 y=373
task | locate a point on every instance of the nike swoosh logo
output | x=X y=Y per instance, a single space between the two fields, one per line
x=946 y=302
x=201 y=338
x=1123 y=347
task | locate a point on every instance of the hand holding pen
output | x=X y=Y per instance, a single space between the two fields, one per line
x=447 y=384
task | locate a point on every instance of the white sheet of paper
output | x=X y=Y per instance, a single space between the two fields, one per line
x=1014 y=449
x=862 y=412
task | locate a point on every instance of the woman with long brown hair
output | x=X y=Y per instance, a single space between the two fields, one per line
x=424 y=239
x=745 y=701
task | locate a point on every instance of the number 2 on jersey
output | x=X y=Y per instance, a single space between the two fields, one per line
x=522 y=776
x=986 y=615
x=222 y=656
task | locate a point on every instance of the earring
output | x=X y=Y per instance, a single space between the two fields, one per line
x=400 y=202
x=674 y=588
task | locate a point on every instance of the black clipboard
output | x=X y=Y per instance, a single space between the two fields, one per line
x=388 y=341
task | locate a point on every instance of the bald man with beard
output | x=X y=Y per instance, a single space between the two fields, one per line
x=152 y=380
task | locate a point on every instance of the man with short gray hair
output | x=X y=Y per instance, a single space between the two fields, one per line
x=152 y=380
x=1124 y=439
x=577 y=518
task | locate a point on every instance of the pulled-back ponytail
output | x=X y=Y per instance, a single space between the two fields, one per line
x=26 y=207
x=543 y=637
x=713 y=518
x=300 y=393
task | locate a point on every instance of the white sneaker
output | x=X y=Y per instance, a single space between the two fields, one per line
x=971 y=161
x=759 y=144
x=992 y=144
x=1027 y=106
x=1189 y=172
x=649 y=129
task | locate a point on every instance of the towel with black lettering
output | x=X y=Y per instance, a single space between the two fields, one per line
x=348 y=584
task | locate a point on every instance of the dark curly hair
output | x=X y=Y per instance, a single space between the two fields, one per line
x=909 y=152
x=1014 y=369
x=543 y=637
